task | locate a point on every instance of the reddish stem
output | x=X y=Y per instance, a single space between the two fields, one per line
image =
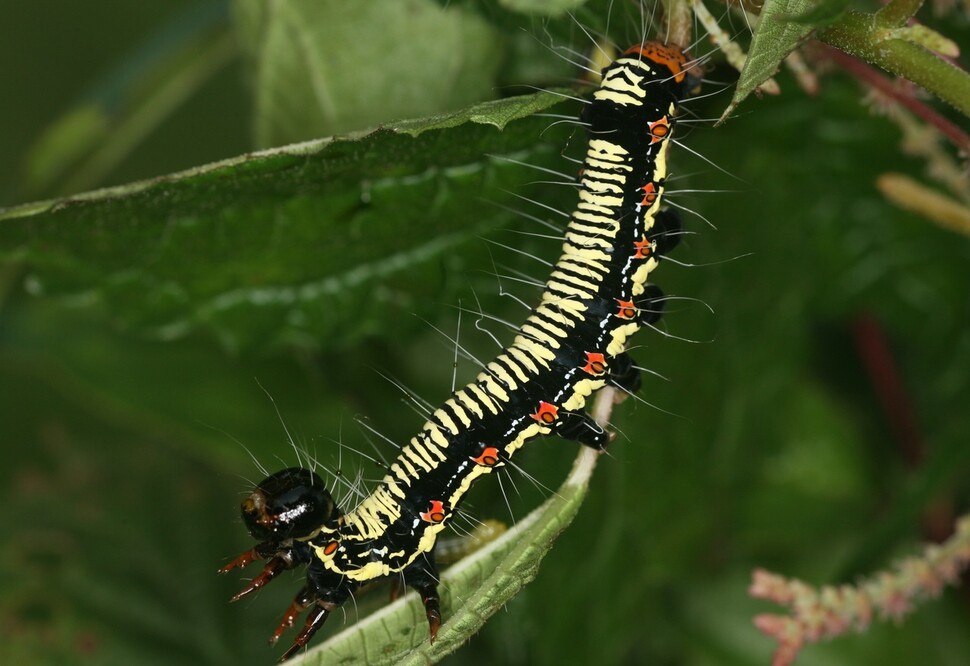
x=878 y=360
x=872 y=346
x=871 y=77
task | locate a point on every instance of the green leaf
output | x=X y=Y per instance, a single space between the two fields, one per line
x=781 y=28
x=273 y=247
x=325 y=67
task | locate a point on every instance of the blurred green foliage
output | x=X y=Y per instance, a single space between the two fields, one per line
x=131 y=419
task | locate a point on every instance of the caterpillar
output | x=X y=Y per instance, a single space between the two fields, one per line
x=572 y=344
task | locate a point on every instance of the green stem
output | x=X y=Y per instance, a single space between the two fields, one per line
x=897 y=12
x=862 y=36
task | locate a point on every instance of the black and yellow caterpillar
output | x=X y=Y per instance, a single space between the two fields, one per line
x=572 y=344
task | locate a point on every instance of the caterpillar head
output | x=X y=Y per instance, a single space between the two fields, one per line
x=290 y=504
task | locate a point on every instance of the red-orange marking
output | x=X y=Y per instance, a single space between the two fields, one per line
x=659 y=129
x=547 y=413
x=595 y=363
x=489 y=457
x=649 y=194
x=330 y=548
x=644 y=247
x=627 y=309
x=435 y=514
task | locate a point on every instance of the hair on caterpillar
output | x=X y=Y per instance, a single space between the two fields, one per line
x=572 y=344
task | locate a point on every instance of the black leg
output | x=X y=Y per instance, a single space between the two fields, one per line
x=650 y=305
x=423 y=576
x=280 y=559
x=580 y=427
x=396 y=588
x=303 y=600
x=432 y=608
x=666 y=231
x=624 y=374
x=318 y=615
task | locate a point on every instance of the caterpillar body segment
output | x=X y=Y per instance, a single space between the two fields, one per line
x=572 y=344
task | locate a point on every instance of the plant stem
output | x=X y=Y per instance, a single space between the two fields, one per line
x=904 y=96
x=679 y=22
x=862 y=36
x=897 y=12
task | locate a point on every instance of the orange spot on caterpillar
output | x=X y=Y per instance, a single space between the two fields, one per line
x=547 y=413
x=489 y=457
x=668 y=56
x=649 y=194
x=643 y=247
x=435 y=514
x=659 y=129
x=330 y=548
x=627 y=309
x=595 y=364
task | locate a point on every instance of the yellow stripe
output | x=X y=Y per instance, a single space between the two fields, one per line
x=538 y=352
x=459 y=412
x=538 y=335
x=411 y=453
x=594 y=187
x=600 y=200
x=394 y=488
x=436 y=436
x=408 y=467
x=580 y=239
x=446 y=421
x=469 y=403
x=570 y=248
x=609 y=151
x=511 y=363
x=598 y=228
x=399 y=472
x=483 y=397
x=558 y=331
x=432 y=447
